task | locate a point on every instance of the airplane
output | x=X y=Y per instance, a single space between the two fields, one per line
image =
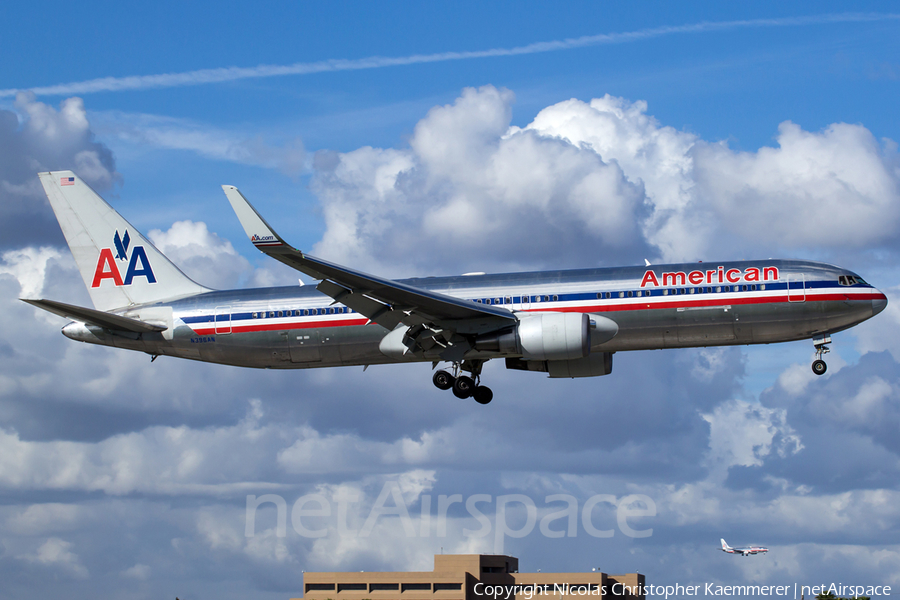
x=743 y=551
x=566 y=323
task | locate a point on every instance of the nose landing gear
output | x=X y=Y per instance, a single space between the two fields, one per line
x=464 y=386
x=820 y=343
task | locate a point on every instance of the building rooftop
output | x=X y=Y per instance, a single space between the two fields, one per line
x=469 y=577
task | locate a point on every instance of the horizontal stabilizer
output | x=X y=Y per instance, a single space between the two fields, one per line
x=90 y=316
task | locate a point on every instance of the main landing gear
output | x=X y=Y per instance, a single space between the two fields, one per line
x=819 y=367
x=464 y=386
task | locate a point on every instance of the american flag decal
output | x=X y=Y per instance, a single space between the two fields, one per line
x=66 y=181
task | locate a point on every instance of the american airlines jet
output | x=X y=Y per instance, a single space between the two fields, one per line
x=749 y=550
x=563 y=323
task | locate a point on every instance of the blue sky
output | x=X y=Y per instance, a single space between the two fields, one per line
x=668 y=131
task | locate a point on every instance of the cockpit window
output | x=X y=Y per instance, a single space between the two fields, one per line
x=851 y=280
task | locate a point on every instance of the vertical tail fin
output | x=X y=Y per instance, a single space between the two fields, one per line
x=725 y=546
x=120 y=267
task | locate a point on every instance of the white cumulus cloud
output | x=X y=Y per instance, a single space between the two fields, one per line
x=598 y=182
x=38 y=137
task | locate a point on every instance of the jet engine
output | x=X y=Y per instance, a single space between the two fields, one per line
x=549 y=336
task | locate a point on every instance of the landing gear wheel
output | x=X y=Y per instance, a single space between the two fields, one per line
x=463 y=386
x=820 y=342
x=483 y=394
x=443 y=380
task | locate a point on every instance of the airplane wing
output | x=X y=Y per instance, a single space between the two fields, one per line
x=94 y=317
x=432 y=315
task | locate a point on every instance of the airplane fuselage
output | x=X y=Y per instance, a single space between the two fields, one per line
x=654 y=307
x=746 y=551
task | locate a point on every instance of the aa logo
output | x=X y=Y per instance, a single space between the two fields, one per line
x=138 y=265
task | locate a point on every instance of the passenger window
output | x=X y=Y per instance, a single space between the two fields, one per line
x=762 y=286
x=255 y=315
x=621 y=294
x=665 y=292
x=639 y=293
x=630 y=294
x=555 y=298
x=509 y=300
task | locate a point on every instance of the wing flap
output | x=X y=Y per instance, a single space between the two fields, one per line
x=95 y=317
x=378 y=312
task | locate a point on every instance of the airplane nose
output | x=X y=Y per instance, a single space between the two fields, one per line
x=879 y=305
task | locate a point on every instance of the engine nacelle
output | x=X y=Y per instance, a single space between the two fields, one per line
x=554 y=336
x=397 y=344
x=595 y=365
x=543 y=336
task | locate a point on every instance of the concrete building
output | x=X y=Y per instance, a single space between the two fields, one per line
x=469 y=577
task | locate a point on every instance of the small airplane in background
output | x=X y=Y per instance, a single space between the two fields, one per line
x=743 y=551
x=563 y=323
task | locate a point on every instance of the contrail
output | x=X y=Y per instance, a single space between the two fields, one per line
x=202 y=76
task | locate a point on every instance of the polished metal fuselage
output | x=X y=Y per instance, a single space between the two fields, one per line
x=655 y=307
